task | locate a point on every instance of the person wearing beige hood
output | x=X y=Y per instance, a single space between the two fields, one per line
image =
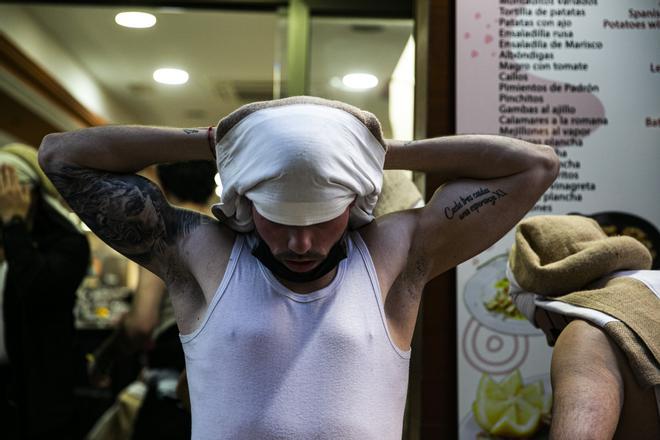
x=296 y=307
x=599 y=305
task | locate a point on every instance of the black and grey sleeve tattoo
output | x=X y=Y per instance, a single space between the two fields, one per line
x=128 y=212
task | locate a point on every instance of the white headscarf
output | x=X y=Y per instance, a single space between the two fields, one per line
x=299 y=165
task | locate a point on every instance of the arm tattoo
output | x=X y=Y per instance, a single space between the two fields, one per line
x=128 y=212
x=190 y=130
x=473 y=202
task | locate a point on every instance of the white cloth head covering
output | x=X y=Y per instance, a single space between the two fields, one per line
x=299 y=164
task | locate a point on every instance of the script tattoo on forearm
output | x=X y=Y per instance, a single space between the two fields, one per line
x=473 y=202
x=128 y=212
x=190 y=130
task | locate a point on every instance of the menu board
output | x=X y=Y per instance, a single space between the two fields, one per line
x=582 y=76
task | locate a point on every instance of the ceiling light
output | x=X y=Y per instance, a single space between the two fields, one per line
x=135 y=19
x=360 y=81
x=171 y=76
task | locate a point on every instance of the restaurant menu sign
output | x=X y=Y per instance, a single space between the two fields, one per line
x=584 y=77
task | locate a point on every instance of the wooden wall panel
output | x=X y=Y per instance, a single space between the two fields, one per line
x=435 y=116
x=21 y=122
x=39 y=80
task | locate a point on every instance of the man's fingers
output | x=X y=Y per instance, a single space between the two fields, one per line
x=13 y=177
x=10 y=172
x=25 y=191
x=3 y=176
x=9 y=178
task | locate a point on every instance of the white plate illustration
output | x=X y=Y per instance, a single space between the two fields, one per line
x=480 y=288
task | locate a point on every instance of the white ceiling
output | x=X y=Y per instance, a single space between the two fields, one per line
x=230 y=57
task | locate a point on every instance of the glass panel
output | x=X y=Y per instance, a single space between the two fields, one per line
x=229 y=56
x=370 y=63
x=343 y=46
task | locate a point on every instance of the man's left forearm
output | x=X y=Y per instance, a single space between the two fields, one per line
x=468 y=156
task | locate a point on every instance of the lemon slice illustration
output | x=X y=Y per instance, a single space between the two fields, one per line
x=510 y=408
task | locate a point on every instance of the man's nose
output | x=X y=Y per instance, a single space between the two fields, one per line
x=300 y=240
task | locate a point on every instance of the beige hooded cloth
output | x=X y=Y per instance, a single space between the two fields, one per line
x=568 y=265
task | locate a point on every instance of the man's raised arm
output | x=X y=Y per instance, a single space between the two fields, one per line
x=492 y=182
x=94 y=170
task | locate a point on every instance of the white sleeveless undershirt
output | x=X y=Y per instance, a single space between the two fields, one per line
x=269 y=363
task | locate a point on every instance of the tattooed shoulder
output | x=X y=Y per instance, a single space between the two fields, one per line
x=126 y=211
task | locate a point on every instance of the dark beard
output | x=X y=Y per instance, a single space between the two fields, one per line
x=262 y=253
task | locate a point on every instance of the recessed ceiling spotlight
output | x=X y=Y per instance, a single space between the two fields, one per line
x=171 y=76
x=360 y=81
x=135 y=19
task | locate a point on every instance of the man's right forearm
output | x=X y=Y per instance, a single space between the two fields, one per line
x=126 y=149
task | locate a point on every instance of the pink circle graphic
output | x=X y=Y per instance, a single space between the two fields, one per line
x=494 y=343
x=491 y=352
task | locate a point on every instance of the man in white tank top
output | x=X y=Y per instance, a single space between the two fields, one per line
x=296 y=308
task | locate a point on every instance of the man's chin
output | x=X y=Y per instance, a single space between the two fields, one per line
x=301 y=266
